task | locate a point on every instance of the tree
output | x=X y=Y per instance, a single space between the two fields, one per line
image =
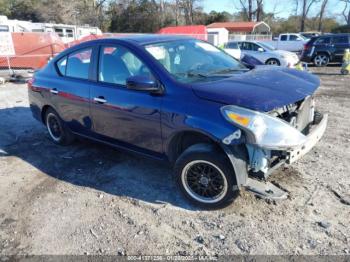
x=214 y=16
x=321 y=15
x=259 y=10
x=251 y=10
x=305 y=9
x=346 y=11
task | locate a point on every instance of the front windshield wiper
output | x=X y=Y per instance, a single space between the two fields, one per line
x=228 y=70
x=192 y=74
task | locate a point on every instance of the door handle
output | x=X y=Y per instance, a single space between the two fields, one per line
x=54 y=91
x=100 y=100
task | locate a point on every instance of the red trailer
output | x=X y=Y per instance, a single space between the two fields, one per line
x=32 y=50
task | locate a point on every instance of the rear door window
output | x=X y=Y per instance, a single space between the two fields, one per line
x=232 y=45
x=78 y=64
x=340 y=40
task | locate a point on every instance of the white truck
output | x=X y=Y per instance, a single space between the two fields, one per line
x=289 y=42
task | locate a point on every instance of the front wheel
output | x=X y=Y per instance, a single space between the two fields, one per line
x=273 y=61
x=206 y=177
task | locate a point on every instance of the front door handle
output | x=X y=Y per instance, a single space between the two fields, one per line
x=100 y=100
x=54 y=91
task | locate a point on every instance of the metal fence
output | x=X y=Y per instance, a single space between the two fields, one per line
x=250 y=37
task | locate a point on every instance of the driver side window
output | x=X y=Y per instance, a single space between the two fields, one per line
x=117 y=64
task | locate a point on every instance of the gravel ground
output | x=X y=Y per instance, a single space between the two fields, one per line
x=92 y=199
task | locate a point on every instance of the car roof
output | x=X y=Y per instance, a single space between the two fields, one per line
x=332 y=35
x=144 y=39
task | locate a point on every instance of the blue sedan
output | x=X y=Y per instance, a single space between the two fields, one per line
x=222 y=125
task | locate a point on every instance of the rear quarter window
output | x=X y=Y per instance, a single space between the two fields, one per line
x=61 y=66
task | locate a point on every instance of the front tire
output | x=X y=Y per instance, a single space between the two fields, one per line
x=58 y=131
x=206 y=177
x=273 y=61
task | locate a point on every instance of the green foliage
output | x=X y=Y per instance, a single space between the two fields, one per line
x=341 y=29
x=214 y=16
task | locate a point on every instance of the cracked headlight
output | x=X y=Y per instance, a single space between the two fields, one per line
x=263 y=130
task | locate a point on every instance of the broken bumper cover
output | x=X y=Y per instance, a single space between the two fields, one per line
x=312 y=138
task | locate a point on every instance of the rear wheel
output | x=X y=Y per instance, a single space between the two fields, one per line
x=321 y=60
x=206 y=177
x=273 y=61
x=58 y=131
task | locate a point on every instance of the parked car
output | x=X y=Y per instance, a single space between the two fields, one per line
x=265 y=53
x=289 y=42
x=325 y=49
x=185 y=101
x=233 y=49
x=309 y=35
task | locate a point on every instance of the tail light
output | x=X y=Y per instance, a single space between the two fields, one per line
x=31 y=86
x=306 y=47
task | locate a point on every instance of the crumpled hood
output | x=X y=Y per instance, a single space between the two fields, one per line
x=262 y=89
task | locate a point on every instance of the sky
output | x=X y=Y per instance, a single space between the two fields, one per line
x=283 y=7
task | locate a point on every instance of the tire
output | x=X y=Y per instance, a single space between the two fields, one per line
x=58 y=131
x=344 y=72
x=196 y=171
x=321 y=59
x=273 y=61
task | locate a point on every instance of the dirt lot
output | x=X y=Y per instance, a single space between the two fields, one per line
x=92 y=199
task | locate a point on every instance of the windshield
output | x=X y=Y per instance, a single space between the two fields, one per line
x=267 y=46
x=193 y=60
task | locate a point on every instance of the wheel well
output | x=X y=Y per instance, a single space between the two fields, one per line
x=180 y=142
x=272 y=58
x=322 y=52
x=43 y=113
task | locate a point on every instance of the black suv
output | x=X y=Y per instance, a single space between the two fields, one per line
x=324 y=49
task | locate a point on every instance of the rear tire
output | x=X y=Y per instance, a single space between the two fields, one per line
x=206 y=177
x=321 y=60
x=58 y=131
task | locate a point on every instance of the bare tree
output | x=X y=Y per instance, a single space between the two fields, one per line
x=322 y=12
x=252 y=10
x=259 y=10
x=305 y=9
x=346 y=11
x=246 y=7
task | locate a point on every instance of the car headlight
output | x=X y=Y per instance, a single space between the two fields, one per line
x=263 y=130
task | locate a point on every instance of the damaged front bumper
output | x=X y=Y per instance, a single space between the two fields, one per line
x=313 y=137
x=262 y=161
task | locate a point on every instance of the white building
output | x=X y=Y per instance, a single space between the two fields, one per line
x=67 y=33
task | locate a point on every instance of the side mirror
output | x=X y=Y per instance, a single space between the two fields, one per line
x=142 y=83
x=260 y=49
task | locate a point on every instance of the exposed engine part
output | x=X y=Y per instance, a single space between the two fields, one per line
x=300 y=114
x=259 y=159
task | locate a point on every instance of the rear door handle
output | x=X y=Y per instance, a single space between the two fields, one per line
x=54 y=91
x=100 y=100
